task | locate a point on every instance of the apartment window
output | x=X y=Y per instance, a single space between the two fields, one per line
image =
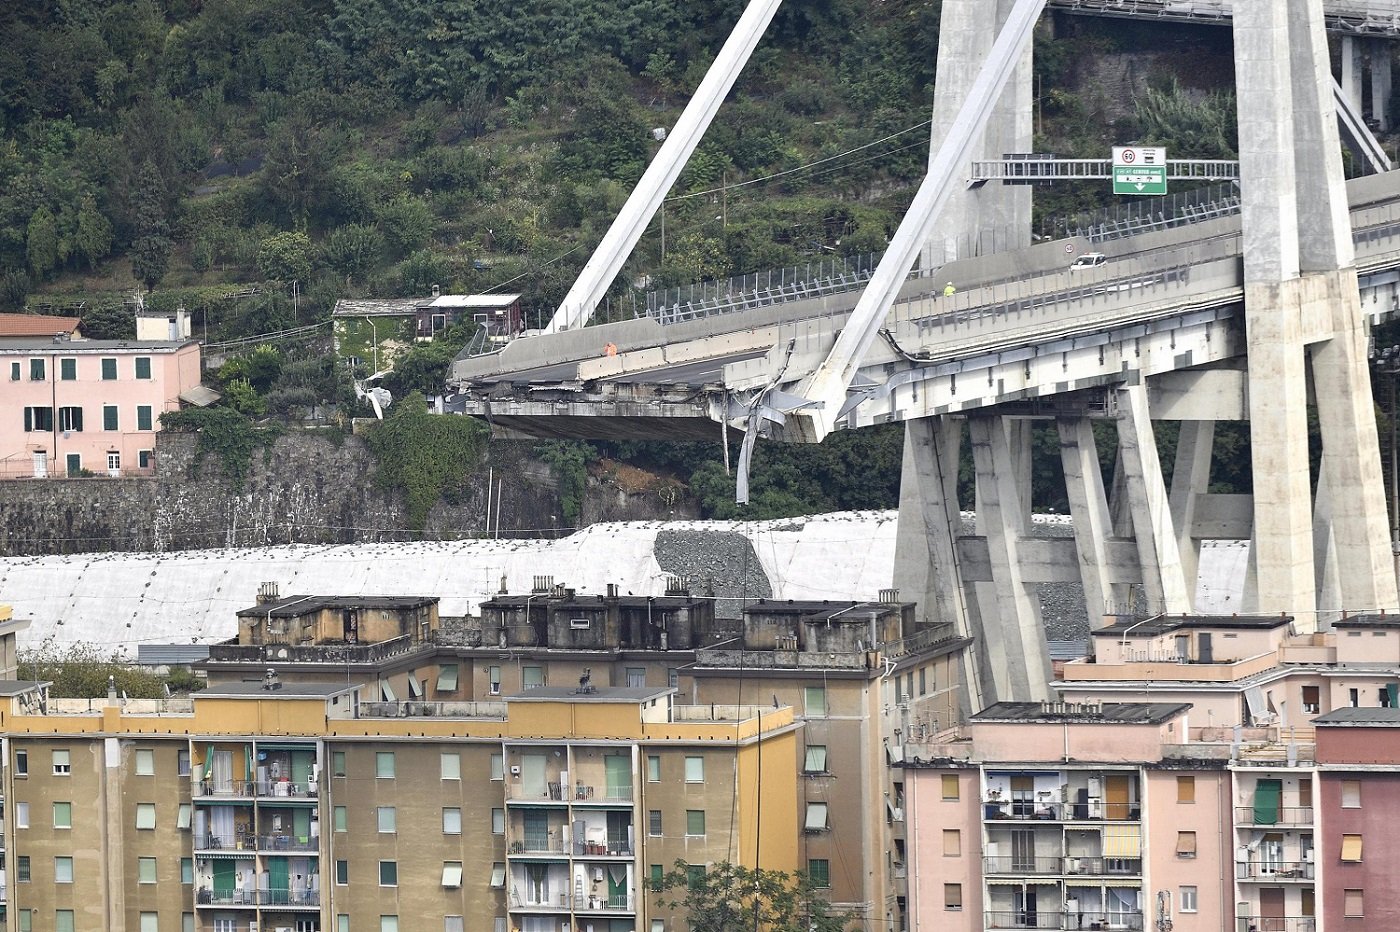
x=1351 y=847
x=636 y=677
x=38 y=419
x=1351 y=794
x=923 y=680
x=654 y=823
x=658 y=925
x=63 y=920
x=673 y=678
x=1354 y=695
x=695 y=821
x=182 y=763
x=950 y=786
x=952 y=843
x=454 y=924
x=530 y=677
x=22 y=868
x=819 y=872
x=21 y=763
x=70 y=419
x=452 y=821
x=498 y=821
x=36 y=370
x=337 y=763
x=63 y=870
x=814 y=701
x=658 y=877
x=1354 y=905
x=62 y=815
x=447 y=678
x=182 y=816
x=144 y=458
x=653 y=768
x=695 y=770
x=388 y=820
x=143 y=417
x=384 y=765
x=143 y=367
x=68 y=369
x=1186 y=844
x=815 y=761
x=388 y=924
x=450 y=766
x=187 y=870
x=694 y=874
x=14 y=372
x=338 y=818
x=109 y=417
x=145 y=815
x=187 y=922
x=145 y=762
x=342 y=872
x=451 y=874
x=816 y=817
x=109 y=370
x=149 y=923
x=145 y=870
x=952 y=896
x=342 y=923
x=1186 y=789
x=1188 y=899
x=498 y=875
x=1311 y=699
x=388 y=873
x=498 y=769
x=21 y=815
x=493 y=678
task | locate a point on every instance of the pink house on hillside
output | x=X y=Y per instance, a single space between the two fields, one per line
x=95 y=405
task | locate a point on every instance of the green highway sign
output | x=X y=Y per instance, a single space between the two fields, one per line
x=1140 y=179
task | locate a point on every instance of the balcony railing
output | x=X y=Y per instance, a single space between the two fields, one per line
x=1274 y=815
x=1022 y=865
x=1069 y=866
x=1049 y=811
x=570 y=792
x=599 y=849
x=286 y=789
x=276 y=843
x=1274 y=870
x=1285 y=924
x=1051 y=919
x=224 y=788
x=294 y=898
x=535 y=846
x=613 y=903
x=207 y=896
x=1104 y=867
x=239 y=842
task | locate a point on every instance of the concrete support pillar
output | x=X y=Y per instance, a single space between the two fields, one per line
x=995 y=216
x=1195 y=446
x=1329 y=592
x=1088 y=507
x=1353 y=67
x=926 y=558
x=1380 y=82
x=1015 y=642
x=1162 y=579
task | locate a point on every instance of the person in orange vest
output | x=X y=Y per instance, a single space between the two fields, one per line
x=610 y=349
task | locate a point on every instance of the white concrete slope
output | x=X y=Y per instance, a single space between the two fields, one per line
x=118 y=601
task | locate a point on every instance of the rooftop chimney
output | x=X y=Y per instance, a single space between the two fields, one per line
x=267 y=592
x=271 y=680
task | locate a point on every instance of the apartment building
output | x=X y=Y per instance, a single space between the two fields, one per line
x=861 y=677
x=77 y=407
x=302 y=806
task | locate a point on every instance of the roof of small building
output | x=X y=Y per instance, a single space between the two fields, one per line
x=284 y=691
x=32 y=345
x=636 y=694
x=1373 y=717
x=1162 y=624
x=474 y=300
x=1377 y=620
x=36 y=325
x=19 y=687
x=1108 y=713
x=591 y=603
x=378 y=307
x=294 y=606
x=822 y=609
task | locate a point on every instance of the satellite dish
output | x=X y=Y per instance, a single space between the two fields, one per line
x=378 y=396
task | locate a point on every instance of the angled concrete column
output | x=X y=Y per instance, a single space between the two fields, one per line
x=1195 y=445
x=1163 y=581
x=994 y=216
x=1014 y=636
x=1088 y=507
x=926 y=557
x=1329 y=592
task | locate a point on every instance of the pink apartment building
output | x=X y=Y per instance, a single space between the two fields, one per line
x=95 y=405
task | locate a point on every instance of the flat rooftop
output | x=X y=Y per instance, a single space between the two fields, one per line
x=822 y=609
x=77 y=347
x=1108 y=713
x=285 y=691
x=294 y=606
x=1368 y=621
x=637 y=694
x=591 y=602
x=1163 y=624
x=1372 y=717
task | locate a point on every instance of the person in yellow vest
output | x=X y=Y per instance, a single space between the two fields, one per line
x=949 y=290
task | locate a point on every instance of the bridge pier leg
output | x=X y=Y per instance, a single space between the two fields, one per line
x=1163 y=581
x=926 y=559
x=1088 y=507
x=1015 y=643
x=1195 y=447
x=1380 y=83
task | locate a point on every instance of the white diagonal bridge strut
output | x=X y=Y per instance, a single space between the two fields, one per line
x=622 y=237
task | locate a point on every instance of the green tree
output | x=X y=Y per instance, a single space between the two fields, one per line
x=41 y=242
x=424 y=455
x=728 y=897
x=285 y=257
x=353 y=250
x=82 y=671
x=94 y=235
x=150 y=250
x=109 y=322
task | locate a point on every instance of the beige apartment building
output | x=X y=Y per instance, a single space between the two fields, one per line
x=291 y=806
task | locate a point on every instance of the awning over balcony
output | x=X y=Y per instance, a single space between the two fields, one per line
x=1122 y=841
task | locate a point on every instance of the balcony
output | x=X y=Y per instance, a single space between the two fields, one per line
x=598 y=849
x=1285 y=924
x=279 y=843
x=1281 y=816
x=223 y=789
x=239 y=842
x=1103 y=867
x=617 y=903
x=312 y=653
x=286 y=789
x=1274 y=871
x=208 y=896
x=1046 y=919
x=290 y=899
x=1031 y=810
x=1022 y=865
x=578 y=793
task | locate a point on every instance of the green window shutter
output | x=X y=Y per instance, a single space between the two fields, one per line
x=143 y=417
x=28 y=420
x=109 y=370
x=143 y=367
x=36 y=370
x=109 y=417
x=68 y=369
